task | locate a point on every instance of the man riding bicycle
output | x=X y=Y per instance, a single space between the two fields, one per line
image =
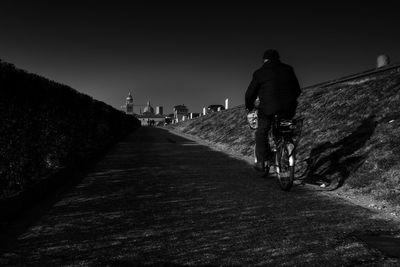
x=276 y=86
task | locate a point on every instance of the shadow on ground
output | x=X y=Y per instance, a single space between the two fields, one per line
x=333 y=163
x=159 y=199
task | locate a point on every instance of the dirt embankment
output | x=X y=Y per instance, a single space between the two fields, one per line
x=350 y=138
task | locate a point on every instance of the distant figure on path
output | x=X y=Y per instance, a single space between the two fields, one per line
x=277 y=87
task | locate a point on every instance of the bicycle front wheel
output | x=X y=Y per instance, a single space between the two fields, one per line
x=284 y=164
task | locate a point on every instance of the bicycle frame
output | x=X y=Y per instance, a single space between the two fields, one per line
x=285 y=134
x=283 y=139
x=289 y=145
x=284 y=155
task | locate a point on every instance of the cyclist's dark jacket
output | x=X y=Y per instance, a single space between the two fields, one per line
x=277 y=87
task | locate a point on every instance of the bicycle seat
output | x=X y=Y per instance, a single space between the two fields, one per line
x=288 y=126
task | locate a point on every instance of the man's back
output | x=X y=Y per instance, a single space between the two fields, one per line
x=277 y=87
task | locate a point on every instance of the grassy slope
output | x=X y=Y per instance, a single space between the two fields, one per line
x=350 y=137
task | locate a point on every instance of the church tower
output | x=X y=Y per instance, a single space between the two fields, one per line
x=148 y=109
x=129 y=104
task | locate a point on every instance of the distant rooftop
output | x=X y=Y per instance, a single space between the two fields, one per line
x=149 y=116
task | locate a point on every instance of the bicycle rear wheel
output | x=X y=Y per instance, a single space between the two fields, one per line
x=284 y=166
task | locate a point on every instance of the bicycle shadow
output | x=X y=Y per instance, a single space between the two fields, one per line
x=332 y=163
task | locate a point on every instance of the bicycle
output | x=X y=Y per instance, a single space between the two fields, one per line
x=284 y=137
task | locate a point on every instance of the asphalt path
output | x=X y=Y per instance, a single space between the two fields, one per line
x=160 y=199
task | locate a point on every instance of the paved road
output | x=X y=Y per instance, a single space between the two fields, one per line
x=158 y=198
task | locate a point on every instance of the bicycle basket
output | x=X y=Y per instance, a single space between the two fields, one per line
x=252 y=119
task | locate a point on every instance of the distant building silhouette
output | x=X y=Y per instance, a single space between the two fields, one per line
x=148 y=109
x=194 y=115
x=149 y=118
x=215 y=108
x=159 y=110
x=169 y=118
x=180 y=112
x=129 y=104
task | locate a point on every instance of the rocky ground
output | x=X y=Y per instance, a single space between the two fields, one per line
x=161 y=199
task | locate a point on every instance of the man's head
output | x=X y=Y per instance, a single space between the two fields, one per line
x=271 y=54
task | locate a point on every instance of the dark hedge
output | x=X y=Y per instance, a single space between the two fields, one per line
x=46 y=126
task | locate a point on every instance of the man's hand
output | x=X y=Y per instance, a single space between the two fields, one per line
x=257 y=102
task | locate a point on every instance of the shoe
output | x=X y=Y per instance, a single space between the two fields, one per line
x=259 y=166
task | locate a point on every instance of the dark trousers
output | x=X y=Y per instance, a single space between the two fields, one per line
x=263 y=151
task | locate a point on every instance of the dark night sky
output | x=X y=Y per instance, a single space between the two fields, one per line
x=192 y=54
